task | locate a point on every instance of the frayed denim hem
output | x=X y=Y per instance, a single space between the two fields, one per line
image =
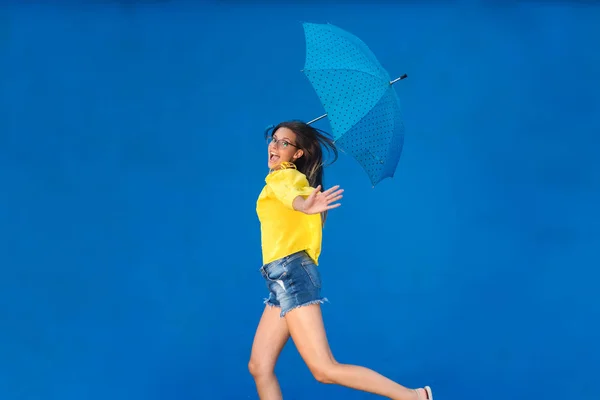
x=284 y=312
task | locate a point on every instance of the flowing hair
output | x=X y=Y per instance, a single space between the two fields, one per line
x=312 y=141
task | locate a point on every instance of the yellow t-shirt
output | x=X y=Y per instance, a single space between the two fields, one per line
x=285 y=231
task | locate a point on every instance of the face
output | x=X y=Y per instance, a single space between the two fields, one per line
x=283 y=148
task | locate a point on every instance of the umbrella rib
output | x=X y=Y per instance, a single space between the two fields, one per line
x=395 y=126
x=345 y=69
x=361 y=118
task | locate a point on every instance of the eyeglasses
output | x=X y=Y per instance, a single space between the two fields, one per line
x=279 y=143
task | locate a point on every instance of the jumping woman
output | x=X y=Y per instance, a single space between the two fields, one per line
x=292 y=210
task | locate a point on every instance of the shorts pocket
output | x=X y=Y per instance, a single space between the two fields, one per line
x=274 y=272
x=313 y=272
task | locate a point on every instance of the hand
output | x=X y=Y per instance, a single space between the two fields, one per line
x=318 y=201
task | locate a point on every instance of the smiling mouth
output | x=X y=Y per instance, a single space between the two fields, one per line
x=273 y=157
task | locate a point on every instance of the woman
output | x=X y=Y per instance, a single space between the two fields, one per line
x=292 y=210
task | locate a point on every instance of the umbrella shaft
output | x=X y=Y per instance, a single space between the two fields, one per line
x=316 y=119
x=324 y=115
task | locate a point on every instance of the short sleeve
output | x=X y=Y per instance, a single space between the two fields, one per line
x=287 y=184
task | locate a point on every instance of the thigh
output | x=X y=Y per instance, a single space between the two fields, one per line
x=307 y=330
x=271 y=336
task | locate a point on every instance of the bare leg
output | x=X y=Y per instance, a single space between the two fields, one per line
x=271 y=336
x=305 y=325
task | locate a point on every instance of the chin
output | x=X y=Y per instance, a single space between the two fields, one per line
x=273 y=164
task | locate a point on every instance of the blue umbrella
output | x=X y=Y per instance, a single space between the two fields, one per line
x=357 y=95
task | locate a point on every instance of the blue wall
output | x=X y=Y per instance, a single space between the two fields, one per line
x=131 y=157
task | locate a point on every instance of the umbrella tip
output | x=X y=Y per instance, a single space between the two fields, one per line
x=399 y=79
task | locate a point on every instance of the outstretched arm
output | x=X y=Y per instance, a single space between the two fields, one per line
x=318 y=201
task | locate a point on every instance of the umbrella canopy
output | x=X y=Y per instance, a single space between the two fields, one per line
x=357 y=94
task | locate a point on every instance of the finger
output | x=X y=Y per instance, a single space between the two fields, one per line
x=333 y=200
x=315 y=192
x=332 y=206
x=331 y=189
x=335 y=194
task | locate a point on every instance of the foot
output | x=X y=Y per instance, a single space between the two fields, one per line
x=421 y=394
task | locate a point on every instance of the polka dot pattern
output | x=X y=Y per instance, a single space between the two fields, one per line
x=361 y=105
x=376 y=141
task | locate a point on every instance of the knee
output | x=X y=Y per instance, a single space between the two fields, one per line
x=258 y=368
x=324 y=372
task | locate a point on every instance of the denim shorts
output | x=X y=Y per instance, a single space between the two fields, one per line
x=293 y=281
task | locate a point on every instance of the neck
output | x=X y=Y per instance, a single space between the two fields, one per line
x=283 y=165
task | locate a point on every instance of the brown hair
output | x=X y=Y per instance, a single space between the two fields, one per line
x=312 y=141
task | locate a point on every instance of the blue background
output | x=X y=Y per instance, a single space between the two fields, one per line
x=131 y=157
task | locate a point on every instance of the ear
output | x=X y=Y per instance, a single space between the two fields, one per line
x=298 y=154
